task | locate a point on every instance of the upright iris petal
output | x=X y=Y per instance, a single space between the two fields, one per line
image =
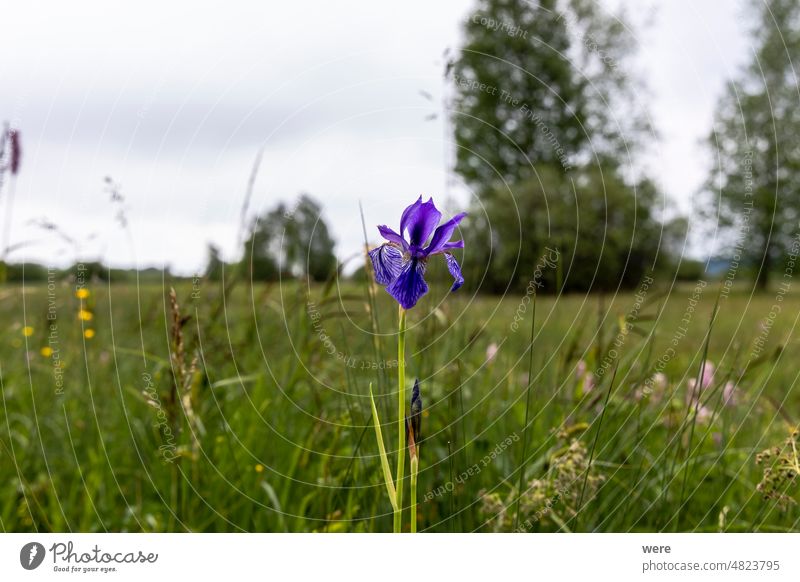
x=408 y=213
x=443 y=234
x=422 y=222
x=400 y=263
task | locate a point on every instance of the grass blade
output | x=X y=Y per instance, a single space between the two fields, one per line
x=387 y=472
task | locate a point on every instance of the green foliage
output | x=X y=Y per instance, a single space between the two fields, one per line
x=591 y=233
x=544 y=118
x=290 y=242
x=781 y=471
x=753 y=188
x=552 y=499
x=273 y=430
x=258 y=259
x=18 y=272
x=690 y=270
x=215 y=265
x=89 y=271
x=541 y=83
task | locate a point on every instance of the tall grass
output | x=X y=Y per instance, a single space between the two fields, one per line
x=272 y=426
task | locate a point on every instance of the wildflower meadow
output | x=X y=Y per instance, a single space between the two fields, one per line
x=254 y=407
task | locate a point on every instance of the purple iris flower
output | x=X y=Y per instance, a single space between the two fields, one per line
x=400 y=263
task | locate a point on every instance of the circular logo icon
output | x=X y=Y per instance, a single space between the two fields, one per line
x=31 y=555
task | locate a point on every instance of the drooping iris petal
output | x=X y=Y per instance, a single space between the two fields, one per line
x=392 y=236
x=410 y=285
x=387 y=260
x=421 y=223
x=455 y=271
x=443 y=234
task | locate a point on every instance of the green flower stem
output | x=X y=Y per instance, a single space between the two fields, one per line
x=401 y=419
x=414 y=471
x=387 y=473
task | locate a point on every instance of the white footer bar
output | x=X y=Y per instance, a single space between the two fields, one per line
x=410 y=558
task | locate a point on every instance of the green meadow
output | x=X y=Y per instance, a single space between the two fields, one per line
x=246 y=408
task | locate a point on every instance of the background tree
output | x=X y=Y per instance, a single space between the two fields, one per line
x=545 y=122
x=10 y=156
x=291 y=242
x=753 y=189
x=257 y=259
x=308 y=245
x=215 y=265
x=605 y=236
x=542 y=83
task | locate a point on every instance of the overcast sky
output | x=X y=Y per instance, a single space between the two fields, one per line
x=174 y=99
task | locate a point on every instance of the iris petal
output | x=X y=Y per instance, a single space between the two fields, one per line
x=421 y=223
x=392 y=236
x=456 y=244
x=387 y=260
x=408 y=213
x=455 y=271
x=410 y=285
x=443 y=234
x=400 y=263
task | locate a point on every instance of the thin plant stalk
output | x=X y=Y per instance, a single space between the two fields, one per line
x=700 y=377
x=452 y=509
x=401 y=419
x=414 y=471
x=9 y=222
x=594 y=445
x=412 y=427
x=527 y=413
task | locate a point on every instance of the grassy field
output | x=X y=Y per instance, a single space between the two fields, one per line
x=253 y=414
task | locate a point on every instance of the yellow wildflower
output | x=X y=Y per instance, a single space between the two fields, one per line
x=27 y=331
x=46 y=351
x=82 y=293
x=85 y=315
x=88 y=333
x=259 y=468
